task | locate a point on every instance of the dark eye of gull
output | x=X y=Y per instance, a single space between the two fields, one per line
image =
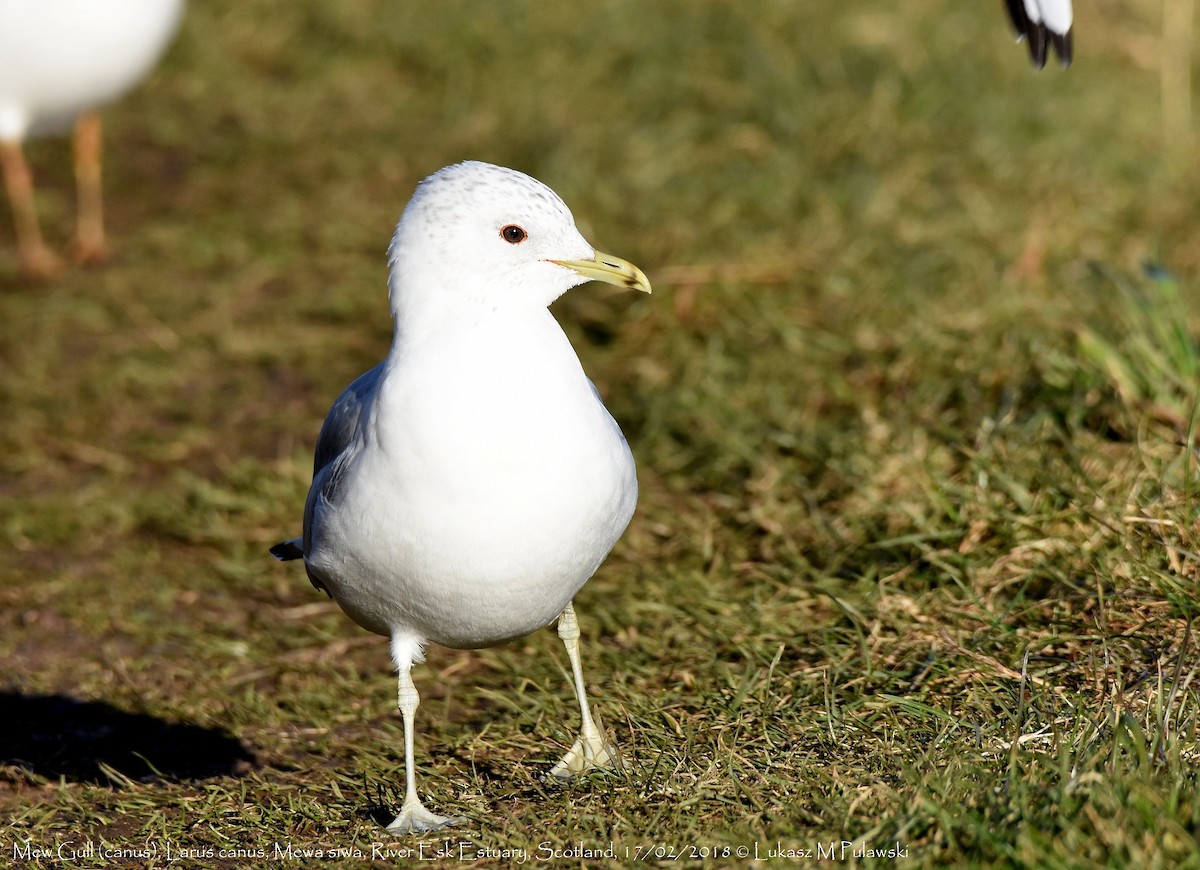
x=513 y=234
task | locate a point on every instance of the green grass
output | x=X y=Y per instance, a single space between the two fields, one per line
x=917 y=549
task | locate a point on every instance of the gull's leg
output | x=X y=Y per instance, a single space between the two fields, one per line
x=413 y=815
x=591 y=751
x=36 y=259
x=89 y=245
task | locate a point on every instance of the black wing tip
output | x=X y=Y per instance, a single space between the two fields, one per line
x=1042 y=39
x=1039 y=46
x=1039 y=37
x=1064 y=47
x=1016 y=14
x=286 y=551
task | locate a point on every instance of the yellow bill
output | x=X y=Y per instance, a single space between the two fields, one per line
x=610 y=270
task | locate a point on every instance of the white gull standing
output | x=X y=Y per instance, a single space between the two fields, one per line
x=467 y=487
x=59 y=61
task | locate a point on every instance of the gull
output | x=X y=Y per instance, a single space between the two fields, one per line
x=59 y=61
x=1044 y=23
x=466 y=487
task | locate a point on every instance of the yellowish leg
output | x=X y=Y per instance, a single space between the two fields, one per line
x=591 y=751
x=413 y=816
x=89 y=245
x=36 y=259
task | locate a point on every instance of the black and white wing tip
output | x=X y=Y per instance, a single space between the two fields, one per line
x=1045 y=24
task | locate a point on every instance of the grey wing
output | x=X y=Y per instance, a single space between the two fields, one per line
x=336 y=445
x=342 y=422
x=600 y=399
x=595 y=392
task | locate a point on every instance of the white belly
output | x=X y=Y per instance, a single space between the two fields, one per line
x=480 y=509
x=61 y=57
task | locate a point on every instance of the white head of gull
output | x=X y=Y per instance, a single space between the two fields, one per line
x=467 y=487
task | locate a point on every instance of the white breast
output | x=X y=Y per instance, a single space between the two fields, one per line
x=492 y=485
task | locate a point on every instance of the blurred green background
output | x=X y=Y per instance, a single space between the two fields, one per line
x=915 y=556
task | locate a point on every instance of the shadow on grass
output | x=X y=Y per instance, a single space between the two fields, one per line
x=56 y=736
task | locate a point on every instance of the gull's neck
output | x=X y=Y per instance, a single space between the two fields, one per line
x=459 y=306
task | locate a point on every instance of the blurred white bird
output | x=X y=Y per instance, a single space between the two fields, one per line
x=60 y=60
x=467 y=487
x=1043 y=23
